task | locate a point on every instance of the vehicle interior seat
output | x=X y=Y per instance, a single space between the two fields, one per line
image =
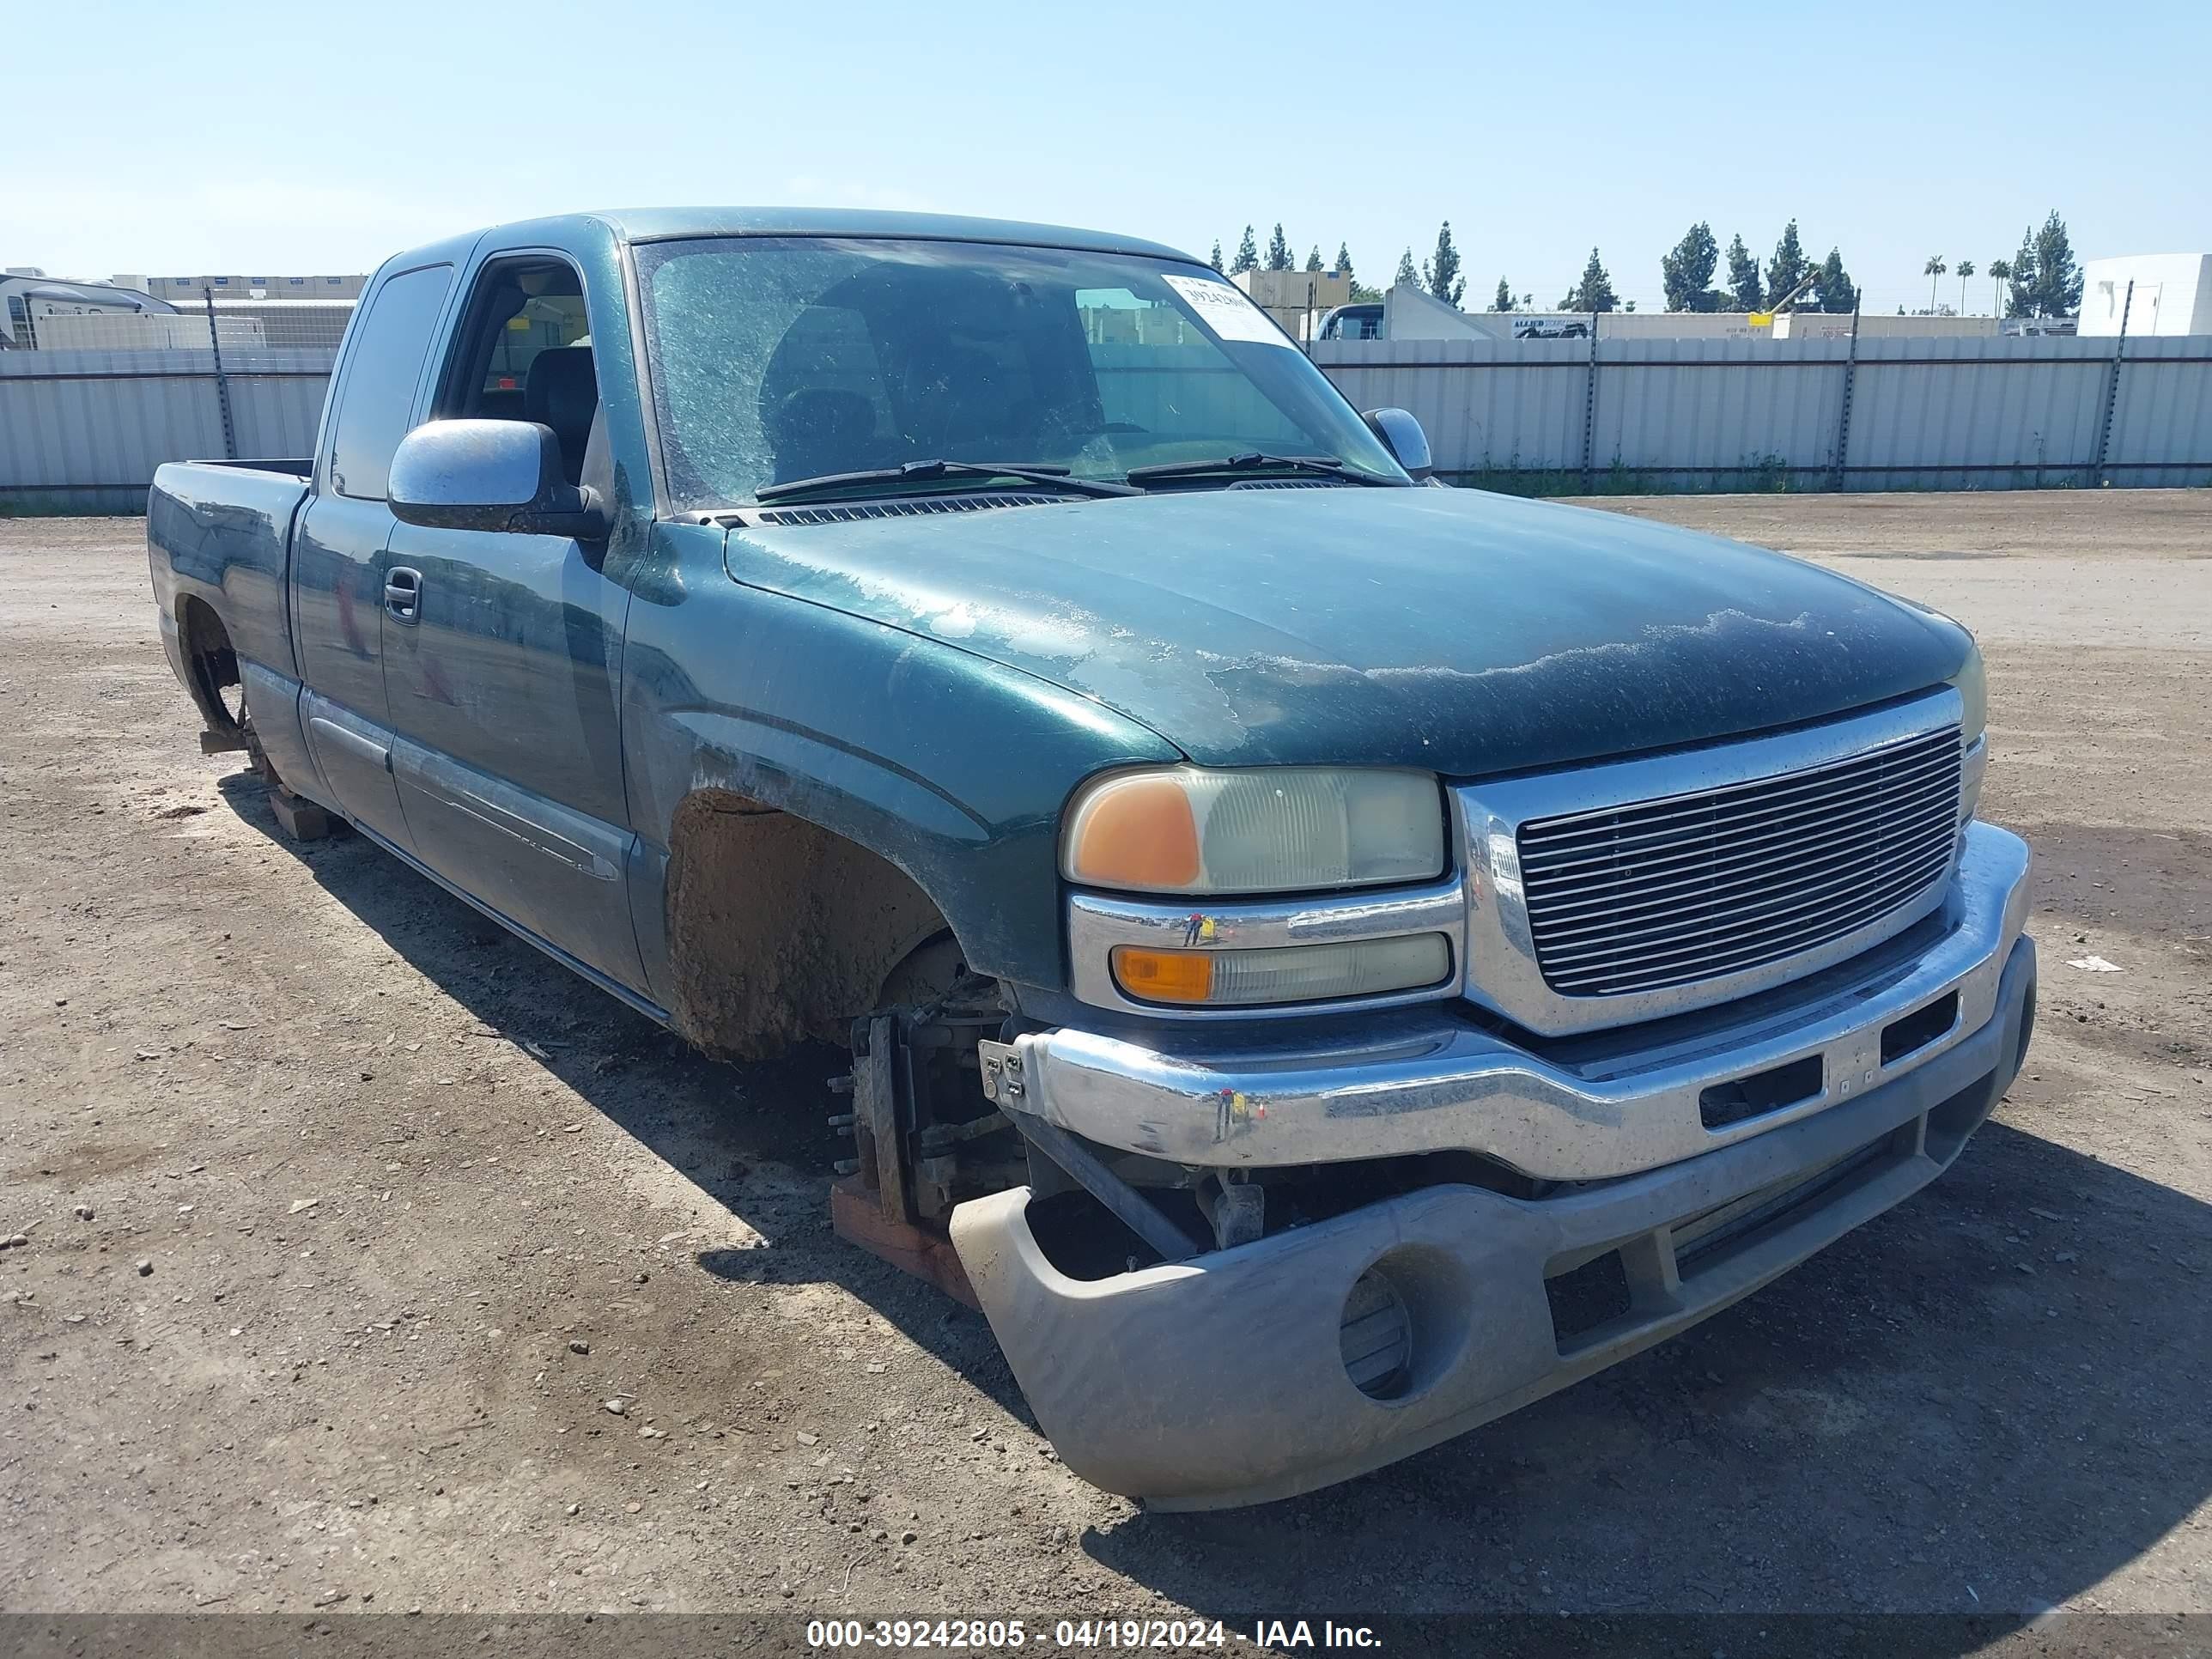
x=955 y=406
x=818 y=429
x=562 y=392
x=500 y=403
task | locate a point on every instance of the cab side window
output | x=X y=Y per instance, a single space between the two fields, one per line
x=383 y=366
x=524 y=352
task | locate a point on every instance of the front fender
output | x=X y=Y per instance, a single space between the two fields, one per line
x=953 y=768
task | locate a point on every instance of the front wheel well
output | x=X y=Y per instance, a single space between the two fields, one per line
x=779 y=930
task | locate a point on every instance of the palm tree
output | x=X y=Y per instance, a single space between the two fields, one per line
x=1965 y=269
x=2000 y=274
x=1931 y=270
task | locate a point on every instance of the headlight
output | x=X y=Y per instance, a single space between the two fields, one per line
x=1276 y=830
x=1973 y=722
x=1973 y=686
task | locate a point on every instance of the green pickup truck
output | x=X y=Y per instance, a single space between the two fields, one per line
x=1328 y=959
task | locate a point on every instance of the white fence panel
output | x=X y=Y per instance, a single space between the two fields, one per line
x=1993 y=413
x=84 y=430
x=2163 y=418
x=1714 y=411
x=1497 y=406
x=1952 y=413
x=277 y=416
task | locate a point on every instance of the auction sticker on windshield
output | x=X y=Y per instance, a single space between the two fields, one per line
x=1226 y=311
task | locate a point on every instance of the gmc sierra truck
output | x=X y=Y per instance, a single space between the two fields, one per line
x=1328 y=959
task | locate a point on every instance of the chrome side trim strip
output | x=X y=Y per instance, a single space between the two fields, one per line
x=362 y=748
x=615 y=988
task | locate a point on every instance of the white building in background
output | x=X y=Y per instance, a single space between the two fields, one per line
x=1407 y=312
x=1882 y=326
x=2173 y=294
x=188 y=290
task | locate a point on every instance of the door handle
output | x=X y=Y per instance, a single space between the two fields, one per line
x=403 y=593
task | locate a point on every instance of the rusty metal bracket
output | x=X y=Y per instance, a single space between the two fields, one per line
x=875 y=1119
x=1136 y=1211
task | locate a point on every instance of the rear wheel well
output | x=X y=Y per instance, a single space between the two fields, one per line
x=213 y=665
x=778 y=929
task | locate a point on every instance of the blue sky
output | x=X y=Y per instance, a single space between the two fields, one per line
x=312 y=137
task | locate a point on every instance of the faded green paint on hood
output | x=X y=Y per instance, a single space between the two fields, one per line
x=1450 y=630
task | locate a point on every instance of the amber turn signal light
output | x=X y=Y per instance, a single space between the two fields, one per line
x=1163 y=976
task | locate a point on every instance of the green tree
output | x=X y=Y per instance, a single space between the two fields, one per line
x=2020 y=301
x=1964 y=268
x=2058 y=286
x=1594 y=291
x=1832 y=289
x=1247 y=255
x=1999 y=270
x=1279 y=251
x=1688 y=272
x=1746 y=292
x=1361 y=293
x=1216 y=260
x=1406 y=277
x=1440 y=275
x=1503 y=300
x=1789 y=266
x=1933 y=269
x=1312 y=260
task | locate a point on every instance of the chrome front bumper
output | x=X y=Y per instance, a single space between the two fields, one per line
x=1430 y=1078
x=1221 y=1381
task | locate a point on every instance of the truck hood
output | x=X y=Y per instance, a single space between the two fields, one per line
x=1454 y=630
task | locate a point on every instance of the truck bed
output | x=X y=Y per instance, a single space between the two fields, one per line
x=221 y=531
x=299 y=467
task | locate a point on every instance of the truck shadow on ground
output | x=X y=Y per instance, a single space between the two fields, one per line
x=752 y=1139
x=1983 y=1403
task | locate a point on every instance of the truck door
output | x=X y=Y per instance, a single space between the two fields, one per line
x=340 y=589
x=505 y=679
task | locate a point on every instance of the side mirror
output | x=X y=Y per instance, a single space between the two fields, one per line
x=490 y=474
x=1402 y=436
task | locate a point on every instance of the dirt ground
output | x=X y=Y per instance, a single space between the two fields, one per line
x=383 y=1208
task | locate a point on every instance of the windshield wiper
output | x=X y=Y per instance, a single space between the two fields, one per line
x=1052 y=477
x=1254 y=461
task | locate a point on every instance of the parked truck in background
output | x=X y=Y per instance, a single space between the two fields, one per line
x=1327 y=961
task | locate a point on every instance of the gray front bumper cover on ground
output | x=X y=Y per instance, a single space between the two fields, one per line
x=1221 y=1381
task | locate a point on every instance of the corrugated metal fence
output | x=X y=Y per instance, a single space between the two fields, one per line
x=83 y=431
x=1873 y=414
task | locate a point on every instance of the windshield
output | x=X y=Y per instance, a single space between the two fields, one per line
x=780 y=359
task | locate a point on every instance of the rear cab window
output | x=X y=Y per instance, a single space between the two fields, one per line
x=383 y=366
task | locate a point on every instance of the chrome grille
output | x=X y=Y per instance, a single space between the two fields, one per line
x=1694 y=887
